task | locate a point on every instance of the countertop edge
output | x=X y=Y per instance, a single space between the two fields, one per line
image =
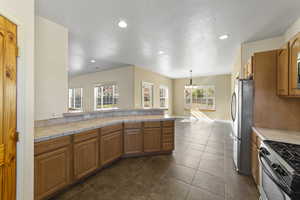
x=116 y=121
x=258 y=133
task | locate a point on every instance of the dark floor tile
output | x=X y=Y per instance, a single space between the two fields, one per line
x=185 y=160
x=200 y=168
x=209 y=182
x=181 y=173
x=213 y=167
x=169 y=189
x=201 y=194
x=72 y=191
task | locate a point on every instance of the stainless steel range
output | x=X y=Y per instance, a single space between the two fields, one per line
x=280 y=171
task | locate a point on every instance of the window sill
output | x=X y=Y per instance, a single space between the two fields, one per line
x=100 y=109
x=205 y=110
x=75 y=111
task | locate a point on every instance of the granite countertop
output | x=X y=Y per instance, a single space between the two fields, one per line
x=54 y=131
x=292 y=137
x=72 y=114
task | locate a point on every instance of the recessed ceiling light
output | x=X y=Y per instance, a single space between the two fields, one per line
x=93 y=61
x=161 y=52
x=122 y=24
x=223 y=37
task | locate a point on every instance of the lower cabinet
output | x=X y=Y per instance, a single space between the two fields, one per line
x=63 y=161
x=255 y=143
x=152 y=139
x=255 y=164
x=52 y=171
x=111 y=147
x=168 y=138
x=86 y=157
x=133 y=141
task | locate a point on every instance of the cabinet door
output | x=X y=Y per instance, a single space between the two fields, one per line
x=52 y=172
x=168 y=139
x=111 y=147
x=133 y=141
x=283 y=71
x=254 y=163
x=152 y=139
x=86 y=157
x=294 y=67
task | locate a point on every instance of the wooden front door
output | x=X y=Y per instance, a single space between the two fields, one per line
x=8 y=136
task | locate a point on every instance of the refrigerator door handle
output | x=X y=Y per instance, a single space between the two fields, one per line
x=233 y=106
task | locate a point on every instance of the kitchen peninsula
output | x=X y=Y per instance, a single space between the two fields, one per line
x=77 y=145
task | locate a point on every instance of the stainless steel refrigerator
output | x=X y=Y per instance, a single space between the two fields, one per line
x=242 y=113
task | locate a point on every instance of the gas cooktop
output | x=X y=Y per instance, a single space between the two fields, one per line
x=289 y=152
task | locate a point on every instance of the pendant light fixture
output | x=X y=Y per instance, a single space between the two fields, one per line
x=191 y=78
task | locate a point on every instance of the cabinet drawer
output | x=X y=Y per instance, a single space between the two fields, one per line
x=133 y=125
x=168 y=138
x=49 y=145
x=169 y=130
x=169 y=123
x=152 y=130
x=152 y=124
x=86 y=135
x=112 y=128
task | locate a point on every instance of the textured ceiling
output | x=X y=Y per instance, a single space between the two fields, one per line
x=186 y=30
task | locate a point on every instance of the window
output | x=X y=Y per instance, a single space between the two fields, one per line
x=106 y=96
x=200 y=97
x=75 y=99
x=147 y=95
x=163 y=97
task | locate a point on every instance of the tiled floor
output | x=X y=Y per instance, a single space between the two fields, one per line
x=199 y=169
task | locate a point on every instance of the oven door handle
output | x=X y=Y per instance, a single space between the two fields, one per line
x=269 y=174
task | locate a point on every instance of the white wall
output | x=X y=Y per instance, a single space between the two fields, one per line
x=142 y=75
x=292 y=30
x=222 y=85
x=248 y=49
x=236 y=68
x=22 y=14
x=51 y=76
x=124 y=77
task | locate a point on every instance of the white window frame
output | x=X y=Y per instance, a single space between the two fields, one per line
x=151 y=94
x=74 y=100
x=166 y=98
x=192 y=105
x=114 y=95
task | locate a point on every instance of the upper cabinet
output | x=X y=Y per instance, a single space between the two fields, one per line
x=283 y=71
x=294 y=68
x=288 y=69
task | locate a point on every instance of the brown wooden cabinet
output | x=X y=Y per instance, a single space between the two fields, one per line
x=133 y=138
x=283 y=71
x=152 y=139
x=288 y=69
x=168 y=138
x=52 y=166
x=86 y=153
x=111 y=147
x=294 y=67
x=65 y=160
x=255 y=143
